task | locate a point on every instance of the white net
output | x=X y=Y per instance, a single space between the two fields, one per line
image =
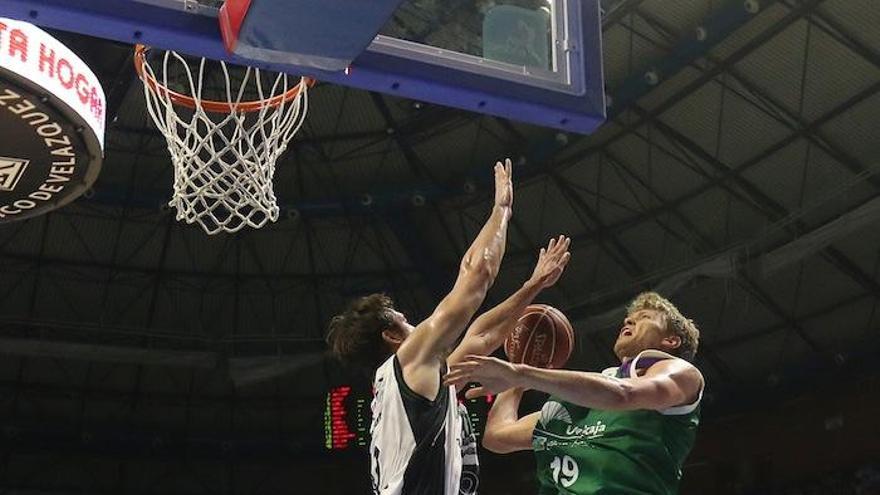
x=224 y=152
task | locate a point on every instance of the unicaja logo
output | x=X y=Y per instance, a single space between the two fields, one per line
x=11 y=171
x=594 y=431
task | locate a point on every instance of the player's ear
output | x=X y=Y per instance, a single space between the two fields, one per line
x=671 y=341
x=392 y=336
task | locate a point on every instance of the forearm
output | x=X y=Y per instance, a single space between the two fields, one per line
x=490 y=330
x=505 y=410
x=505 y=431
x=489 y=245
x=478 y=270
x=585 y=389
x=502 y=318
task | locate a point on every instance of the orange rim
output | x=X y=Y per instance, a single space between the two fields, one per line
x=140 y=59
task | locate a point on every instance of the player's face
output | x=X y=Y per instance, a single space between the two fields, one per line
x=399 y=330
x=644 y=329
x=401 y=324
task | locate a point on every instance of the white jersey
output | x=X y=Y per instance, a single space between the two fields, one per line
x=417 y=446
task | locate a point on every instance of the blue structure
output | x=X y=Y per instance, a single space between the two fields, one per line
x=566 y=94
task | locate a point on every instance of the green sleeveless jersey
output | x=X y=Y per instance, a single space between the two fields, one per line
x=582 y=451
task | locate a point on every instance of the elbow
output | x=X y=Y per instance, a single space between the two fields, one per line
x=493 y=444
x=480 y=343
x=629 y=397
x=622 y=398
x=479 y=271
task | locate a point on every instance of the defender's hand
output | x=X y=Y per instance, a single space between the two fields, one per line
x=551 y=262
x=504 y=184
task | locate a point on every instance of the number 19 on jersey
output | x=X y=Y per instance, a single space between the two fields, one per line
x=565 y=470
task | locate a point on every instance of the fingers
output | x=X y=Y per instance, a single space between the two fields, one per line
x=562 y=244
x=470 y=370
x=557 y=248
x=501 y=172
x=553 y=260
x=549 y=250
x=474 y=358
x=458 y=383
x=457 y=375
x=503 y=183
x=564 y=261
x=564 y=255
x=461 y=373
x=562 y=247
x=504 y=170
x=459 y=380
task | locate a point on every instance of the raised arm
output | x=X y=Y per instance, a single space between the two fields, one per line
x=666 y=384
x=490 y=330
x=433 y=338
x=505 y=431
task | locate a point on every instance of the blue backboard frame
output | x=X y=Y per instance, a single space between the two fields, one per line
x=388 y=66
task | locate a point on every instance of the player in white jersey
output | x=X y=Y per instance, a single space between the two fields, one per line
x=422 y=442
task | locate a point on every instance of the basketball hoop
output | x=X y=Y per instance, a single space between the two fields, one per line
x=224 y=149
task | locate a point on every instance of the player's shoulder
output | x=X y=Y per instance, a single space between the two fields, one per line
x=659 y=362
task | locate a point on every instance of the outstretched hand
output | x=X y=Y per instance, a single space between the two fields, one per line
x=551 y=262
x=504 y=184
x=493 y=375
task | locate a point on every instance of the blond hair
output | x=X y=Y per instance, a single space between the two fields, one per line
x=676 y=323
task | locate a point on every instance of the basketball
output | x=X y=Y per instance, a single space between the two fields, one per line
x=543 y=337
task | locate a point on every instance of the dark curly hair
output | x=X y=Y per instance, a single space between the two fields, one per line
x=355 y=336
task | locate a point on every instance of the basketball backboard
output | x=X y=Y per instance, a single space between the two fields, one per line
x=537 y=61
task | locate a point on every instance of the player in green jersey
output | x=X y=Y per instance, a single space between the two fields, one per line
x=626 y=430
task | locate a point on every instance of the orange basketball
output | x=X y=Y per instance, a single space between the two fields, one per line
x=543 y=337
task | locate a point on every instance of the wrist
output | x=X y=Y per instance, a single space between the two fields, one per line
x=532 y=286
x=503 y=209
x=520 y=376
